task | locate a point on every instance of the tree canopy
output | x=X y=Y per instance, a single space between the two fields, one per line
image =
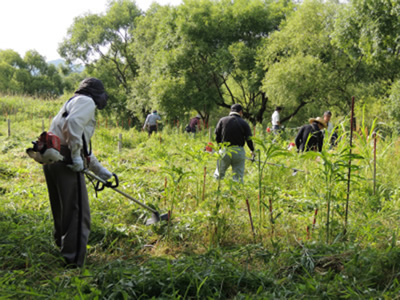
x=103 y=43
x=204 y=55
x=30 y=75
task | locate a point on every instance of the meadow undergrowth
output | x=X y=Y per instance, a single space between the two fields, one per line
x=208 y=250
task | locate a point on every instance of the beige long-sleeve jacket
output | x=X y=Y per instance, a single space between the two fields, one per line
x=75 y=118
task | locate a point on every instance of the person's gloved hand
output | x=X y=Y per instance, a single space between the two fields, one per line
x=253 y=155
x=77 y=164
x=104 y=174
x=96 y=167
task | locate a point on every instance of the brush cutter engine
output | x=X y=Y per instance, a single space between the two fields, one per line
x=46 y=149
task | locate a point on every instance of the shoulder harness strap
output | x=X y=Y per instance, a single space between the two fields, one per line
x=86 y=152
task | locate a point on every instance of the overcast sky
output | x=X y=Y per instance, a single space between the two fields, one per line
x=42 y=24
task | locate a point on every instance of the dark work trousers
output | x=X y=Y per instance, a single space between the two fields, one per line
x=70 y=207
x=152 y=128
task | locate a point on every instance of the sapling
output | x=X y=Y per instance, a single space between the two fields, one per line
x=204 y=183
x=349 y=169
x=176 y=174
x=332 y=166
x=271 y=216
x=200 y=157
x=269 y=151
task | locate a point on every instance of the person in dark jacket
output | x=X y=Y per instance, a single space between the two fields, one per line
x=310 y=136
x=235 y=131
x=193 y=124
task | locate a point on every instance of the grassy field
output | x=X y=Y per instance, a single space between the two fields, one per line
x=209 y=249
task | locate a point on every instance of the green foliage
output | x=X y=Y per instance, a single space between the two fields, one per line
x=203 y=56
x=103 y=44
x=393 y=107
x=207 y=249
x=30 y=76
x=366 y=32
x=200 y=56
x=307 y=72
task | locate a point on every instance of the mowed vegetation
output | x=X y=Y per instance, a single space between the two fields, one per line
x=209 y=249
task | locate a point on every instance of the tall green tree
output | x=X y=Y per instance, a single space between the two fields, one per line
x=30 y=75
x=102 y=42
x=202 y=55
x=368 y=31
x=307 y=72
x=10 y=62
x=43 y=79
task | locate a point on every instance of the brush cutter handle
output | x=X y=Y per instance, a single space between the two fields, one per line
x=90 y=174
x=100 y=185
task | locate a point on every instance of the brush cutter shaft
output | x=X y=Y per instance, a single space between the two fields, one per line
x=119 y=191
x=283 y=166
x=276 y=165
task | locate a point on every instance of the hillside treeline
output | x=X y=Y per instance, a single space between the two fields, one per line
x=202 y=56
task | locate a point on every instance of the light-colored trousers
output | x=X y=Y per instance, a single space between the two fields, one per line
x=235 y=156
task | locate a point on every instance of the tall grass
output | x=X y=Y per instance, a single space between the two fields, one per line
x=207 y=249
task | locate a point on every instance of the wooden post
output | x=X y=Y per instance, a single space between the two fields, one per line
x=120 y=142
x=374 y=137
x=251 y=219
x=204 y=182
x=165 y=191
x=314 y=221
x=9 y=127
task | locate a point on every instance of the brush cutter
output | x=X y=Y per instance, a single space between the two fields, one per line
x=155 y=217
x=277 y=165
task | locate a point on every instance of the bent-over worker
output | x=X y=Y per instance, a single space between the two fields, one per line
x=310 y=136
x=74 y=125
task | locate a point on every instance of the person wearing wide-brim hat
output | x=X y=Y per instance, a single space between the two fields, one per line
x=318 y=120
x=310 y=136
